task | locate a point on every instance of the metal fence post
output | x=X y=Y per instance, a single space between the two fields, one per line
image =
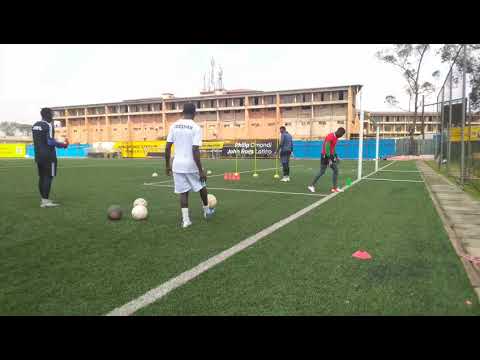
x=464 y=109
x=442 y=120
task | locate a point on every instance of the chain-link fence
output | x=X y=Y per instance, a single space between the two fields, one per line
x=458 y=140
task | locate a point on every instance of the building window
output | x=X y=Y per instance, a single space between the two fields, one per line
x=271 y=124
x=212 y=103
x=288 y=124
x=322 y=96
x=322 y=123
x=341 y=122
x=340 y=95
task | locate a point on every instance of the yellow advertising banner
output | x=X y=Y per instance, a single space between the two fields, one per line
x=456 y=134
x=212 y=145
x=142 y=149
x=13 y=150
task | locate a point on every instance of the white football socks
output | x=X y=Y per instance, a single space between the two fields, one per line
x=186 y=218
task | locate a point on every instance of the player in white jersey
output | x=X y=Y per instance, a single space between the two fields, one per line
x=187 y=168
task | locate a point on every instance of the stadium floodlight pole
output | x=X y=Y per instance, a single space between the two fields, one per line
x=377 y=147
x=464 y=110
x=360 y=142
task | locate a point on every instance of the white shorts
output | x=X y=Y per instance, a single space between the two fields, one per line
x=185 y=182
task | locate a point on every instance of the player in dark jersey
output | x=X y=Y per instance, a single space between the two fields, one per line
x=329 y=157
x=44 y=143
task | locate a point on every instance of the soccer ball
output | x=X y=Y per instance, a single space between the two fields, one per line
x=154 y=175
x=209 y=172
x=276 y=176
x=140 y=201
x=139 y=212
x=212 y=201
x=114 y=212
x=255 y=175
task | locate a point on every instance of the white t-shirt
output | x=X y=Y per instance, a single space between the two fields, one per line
x=184 y=134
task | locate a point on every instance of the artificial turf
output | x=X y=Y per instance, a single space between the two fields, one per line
x=71 y=260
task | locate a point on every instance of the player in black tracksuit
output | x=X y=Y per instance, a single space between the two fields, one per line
x=45 y=154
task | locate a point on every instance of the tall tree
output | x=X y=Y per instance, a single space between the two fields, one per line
x=409 y=58
x=8 y=128
x=452 y=52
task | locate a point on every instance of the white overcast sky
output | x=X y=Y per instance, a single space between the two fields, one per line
x=34 y=76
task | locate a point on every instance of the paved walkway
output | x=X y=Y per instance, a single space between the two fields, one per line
x=461 y=218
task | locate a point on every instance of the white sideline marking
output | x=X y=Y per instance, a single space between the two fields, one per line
x=209 y=176
x=248 y=190
x=414 y=181
x=405 y=171
x=162 y=290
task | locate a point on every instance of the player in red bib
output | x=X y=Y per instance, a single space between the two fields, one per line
x=329 y=157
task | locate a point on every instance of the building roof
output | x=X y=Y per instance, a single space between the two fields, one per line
x=229 y=94
x=396 y=113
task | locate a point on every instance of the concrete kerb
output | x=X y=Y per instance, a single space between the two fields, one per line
x=456 y=239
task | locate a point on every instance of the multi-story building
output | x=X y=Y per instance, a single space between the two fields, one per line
x=397 y=124
x=223 y=115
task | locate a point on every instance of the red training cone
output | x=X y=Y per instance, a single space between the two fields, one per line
x=362 y=255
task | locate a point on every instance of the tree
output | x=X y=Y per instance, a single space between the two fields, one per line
x=452 y=52
x=8 y=128
x=409 y=58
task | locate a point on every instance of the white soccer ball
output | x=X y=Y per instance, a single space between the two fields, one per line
x=140 y=201
x=212 y=201
x=154 y=175
x=139 y=212
x=209 y=172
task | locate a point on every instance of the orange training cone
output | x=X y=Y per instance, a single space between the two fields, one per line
x=361 y=255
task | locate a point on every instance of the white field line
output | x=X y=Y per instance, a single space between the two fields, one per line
x=80 y=166
x=170 y=285
x=402 y=171
x=210 y=176
x=396 y=180
x=249 y=190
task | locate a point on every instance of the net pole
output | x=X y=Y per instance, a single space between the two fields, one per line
x=255 y=157
x=360 y=142
x=377 y=147
x=464 y=110
x=276 y=160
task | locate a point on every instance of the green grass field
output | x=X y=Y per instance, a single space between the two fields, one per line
x=71 y=260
